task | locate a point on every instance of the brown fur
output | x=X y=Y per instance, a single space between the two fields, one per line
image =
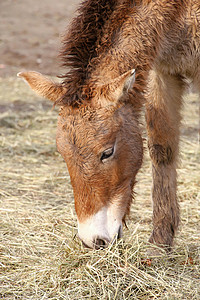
x=43 y=85
x=96 y=31
x=82 y=154
x=161 y=40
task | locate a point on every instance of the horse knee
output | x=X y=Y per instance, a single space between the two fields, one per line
x=160 y=154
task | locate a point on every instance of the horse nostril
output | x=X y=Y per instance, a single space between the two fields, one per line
x=100 y=243
x=119 y=234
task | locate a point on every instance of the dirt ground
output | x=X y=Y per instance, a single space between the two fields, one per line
x=30 y=34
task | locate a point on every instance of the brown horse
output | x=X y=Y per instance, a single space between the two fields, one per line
x=98 y=131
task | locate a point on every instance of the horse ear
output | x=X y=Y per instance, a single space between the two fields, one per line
x=128 y=80
x=121 y=85
x=43 y=86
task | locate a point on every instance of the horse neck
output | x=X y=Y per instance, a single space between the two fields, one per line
x=138 y=42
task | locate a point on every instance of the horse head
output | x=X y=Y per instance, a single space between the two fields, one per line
x=101 y=143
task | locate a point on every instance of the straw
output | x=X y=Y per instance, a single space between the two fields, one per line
x=40 y=254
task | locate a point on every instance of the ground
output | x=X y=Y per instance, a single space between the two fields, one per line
x=40 y=254
x=30 y=34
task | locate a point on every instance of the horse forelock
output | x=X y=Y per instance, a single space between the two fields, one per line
x=88 y=36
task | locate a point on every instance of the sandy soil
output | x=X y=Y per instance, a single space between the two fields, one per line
x=30 y=34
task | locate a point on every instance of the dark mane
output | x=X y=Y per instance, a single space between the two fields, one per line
x=79 y=45
x=82 y=41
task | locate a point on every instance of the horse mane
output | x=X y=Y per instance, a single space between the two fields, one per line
x=87 y=34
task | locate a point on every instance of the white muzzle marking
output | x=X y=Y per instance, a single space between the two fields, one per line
x=106 y=225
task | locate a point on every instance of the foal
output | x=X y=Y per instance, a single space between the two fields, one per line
x=98 y=131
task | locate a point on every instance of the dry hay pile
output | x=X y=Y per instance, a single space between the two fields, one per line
x=40 y=255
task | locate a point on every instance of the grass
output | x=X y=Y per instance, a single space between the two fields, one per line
x=40 y=255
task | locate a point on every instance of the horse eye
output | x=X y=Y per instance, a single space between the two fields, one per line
x=107 y=153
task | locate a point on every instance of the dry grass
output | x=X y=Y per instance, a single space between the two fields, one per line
x=40 y=256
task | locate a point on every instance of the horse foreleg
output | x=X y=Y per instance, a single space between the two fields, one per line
x=163 y=118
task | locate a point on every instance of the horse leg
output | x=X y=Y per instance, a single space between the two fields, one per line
x=164 y=98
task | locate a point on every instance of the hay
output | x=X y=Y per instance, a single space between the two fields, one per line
x=40 y=255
